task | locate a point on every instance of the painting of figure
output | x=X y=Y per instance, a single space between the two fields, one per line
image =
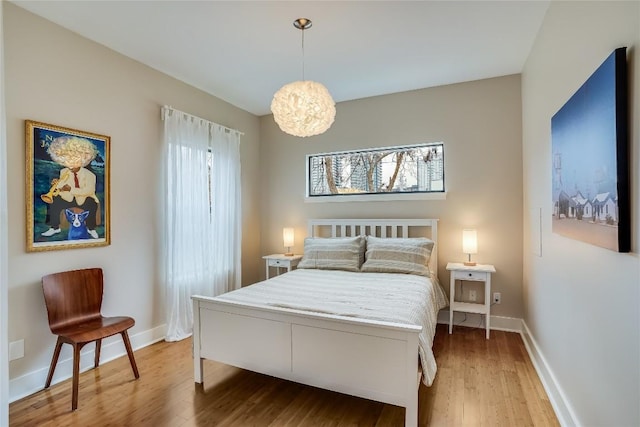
x=67 y=188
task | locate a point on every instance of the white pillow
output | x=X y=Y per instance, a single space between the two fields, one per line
x=398 y=255
x=338 y=253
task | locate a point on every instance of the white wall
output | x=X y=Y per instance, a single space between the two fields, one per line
x=480 y=125
x=4 y=304
x=55 y=76
x=581 y=301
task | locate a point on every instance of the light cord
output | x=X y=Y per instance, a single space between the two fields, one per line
x=302 y=54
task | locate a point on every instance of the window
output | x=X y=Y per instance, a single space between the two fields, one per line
x=403 y=169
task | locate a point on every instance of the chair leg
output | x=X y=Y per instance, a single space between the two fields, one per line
x=127 y=344
x=54 y=362
x=76 y=376
x=98 y=346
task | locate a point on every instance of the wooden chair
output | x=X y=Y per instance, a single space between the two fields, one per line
x=73 y=300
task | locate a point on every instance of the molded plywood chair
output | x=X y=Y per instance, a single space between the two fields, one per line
x=73 y=300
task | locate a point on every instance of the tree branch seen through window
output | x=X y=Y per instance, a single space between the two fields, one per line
x=404 y=169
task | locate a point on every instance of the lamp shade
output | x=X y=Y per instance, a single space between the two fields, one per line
x=469 y=241
x=303 y=108
x=287 y=237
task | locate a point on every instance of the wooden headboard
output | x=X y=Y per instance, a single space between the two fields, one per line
x=379 y=228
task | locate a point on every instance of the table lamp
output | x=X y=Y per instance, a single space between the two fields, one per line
x=287 y=238
x=469 y=244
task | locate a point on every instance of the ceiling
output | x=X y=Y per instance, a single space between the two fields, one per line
x=243 y=52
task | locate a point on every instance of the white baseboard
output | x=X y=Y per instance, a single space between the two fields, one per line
x=564 y=411
x=473 y=320
x=112 y=348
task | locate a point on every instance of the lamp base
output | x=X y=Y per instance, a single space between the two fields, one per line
x=289 y=254
x=469 y=263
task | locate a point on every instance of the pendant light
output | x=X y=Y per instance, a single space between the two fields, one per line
x=303 y=108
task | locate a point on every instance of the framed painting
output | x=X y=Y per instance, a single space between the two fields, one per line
x=590 y=165
x=67 y=188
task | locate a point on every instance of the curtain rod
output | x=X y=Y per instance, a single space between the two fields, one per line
x=170 y=108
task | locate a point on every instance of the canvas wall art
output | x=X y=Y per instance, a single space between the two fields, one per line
x=67 y=191
x=590 y=160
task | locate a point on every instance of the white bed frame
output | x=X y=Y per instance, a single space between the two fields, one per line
x=366 y=358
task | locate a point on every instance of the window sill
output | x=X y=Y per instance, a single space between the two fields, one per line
x=376 y=197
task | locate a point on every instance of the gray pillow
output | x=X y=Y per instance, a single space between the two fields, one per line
x=398 y=255
x=338 y=253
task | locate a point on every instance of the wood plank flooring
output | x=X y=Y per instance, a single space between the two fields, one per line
x=479 y=383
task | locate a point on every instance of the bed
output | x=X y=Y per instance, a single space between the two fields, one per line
x=365 y=334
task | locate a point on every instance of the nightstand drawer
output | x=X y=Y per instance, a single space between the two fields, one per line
x=470 y=275
x=278 y=262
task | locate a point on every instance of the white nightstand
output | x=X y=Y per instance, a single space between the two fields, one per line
x=281 y=261
x=475 y=273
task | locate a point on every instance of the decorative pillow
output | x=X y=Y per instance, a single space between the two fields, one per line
x=338 y=253
x=398 y=255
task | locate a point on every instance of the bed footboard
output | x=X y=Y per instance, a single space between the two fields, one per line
x=364 y=358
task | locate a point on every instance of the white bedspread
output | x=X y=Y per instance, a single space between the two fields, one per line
x=399 y=298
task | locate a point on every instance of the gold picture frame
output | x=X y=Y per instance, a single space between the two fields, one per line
x=67 y=188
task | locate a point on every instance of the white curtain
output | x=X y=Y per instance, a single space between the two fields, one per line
x=201 y=215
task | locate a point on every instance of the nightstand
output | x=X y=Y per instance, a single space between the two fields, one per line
x=475 y=273
x=281 y=261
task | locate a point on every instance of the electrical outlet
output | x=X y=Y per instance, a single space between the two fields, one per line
x=16 y=350
x=497 y=297
x=472 y=295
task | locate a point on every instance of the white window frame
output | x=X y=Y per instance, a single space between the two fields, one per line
x=373 y=196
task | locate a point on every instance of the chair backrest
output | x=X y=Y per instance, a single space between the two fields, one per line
x=72 y=297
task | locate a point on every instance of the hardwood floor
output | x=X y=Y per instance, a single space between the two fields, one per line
x=479 y=382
